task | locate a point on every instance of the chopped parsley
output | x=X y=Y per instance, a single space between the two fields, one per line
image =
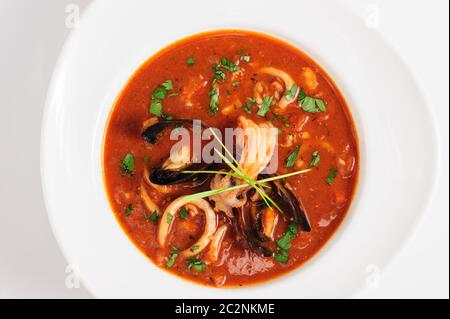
x=235 y=84
x=158 y=95
x=228 y=65
x=284 y=243
x=183 y=213
x=195 y=247
x=310 y=104
x=281 y=119
x=169 y=218
x=173 y=256
x=214 y=100
x=239 y=52
x=332 y=173
x=154 y=217
x=156 y=108
x=293 y=157
x=196 y=264
x=127 y=165
x=168 y=85
x=219 y=75
x=248 y=105
x=167 y=117
x=128 y=210
x=245 y=58
x=315 y=159
x=290 y=94
x=190 y=61
x=282 y=256
x=265 y=106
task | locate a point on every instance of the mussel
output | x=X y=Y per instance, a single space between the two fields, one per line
x=255 y=222
x=169 y=173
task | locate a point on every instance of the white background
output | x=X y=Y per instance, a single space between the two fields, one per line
x=31 y=35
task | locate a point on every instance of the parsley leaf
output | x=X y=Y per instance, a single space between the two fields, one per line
x=195 y=247
x=282 y=256
x=284 y=243
x=154 y=217
x=310 y=104
x=290 y=94
x=156 y=108
x=265 y=105
x=127 y=165
x=183 y=213
x=332 y=173
x=293 y=157
x=190 y=61
x=281 y=119
x=173 y=256
x=128 y=210
x=228 y=65
x=214 y=101
x=169 y=218
x=168 y=85
x=196 y=264
x=160 y=93
x=315 y=159
x=245 y=58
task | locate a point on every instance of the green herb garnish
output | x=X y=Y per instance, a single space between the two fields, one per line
x=169 y=218
x=156 y=108
x=315 y=159
x=332 y=173
x=195 y=247
x=128 y=210
x=282 y=256
x=183 y=213
x=310 y=104
x=290 y=94
x=228 y=65
x=239 y=52
x=245 y=58
x=265 y=105
x=235 y=84
x=281 y=119
x=196 y=264
x=214 y=100
x=293 y=157
x=190 y=61
x=158 y=95
x=284 y=243
x=173 y=256
x=127 y=165
x=154 y=216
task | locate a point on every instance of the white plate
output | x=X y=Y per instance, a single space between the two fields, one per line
x=397 y=140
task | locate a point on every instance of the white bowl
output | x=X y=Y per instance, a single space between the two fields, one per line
x=397 y=141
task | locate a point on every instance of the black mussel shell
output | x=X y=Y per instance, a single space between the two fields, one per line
x=248 y=225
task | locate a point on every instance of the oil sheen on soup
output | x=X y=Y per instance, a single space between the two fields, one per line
x=230 y=211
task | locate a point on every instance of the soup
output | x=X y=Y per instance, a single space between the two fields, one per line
x=230 y=158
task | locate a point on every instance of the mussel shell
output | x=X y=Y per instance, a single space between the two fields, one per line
x=250 y=232
x=162 y=176
x=152 y=133
x=289 y=203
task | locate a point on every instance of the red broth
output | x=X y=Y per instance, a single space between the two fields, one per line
x=328 y=134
